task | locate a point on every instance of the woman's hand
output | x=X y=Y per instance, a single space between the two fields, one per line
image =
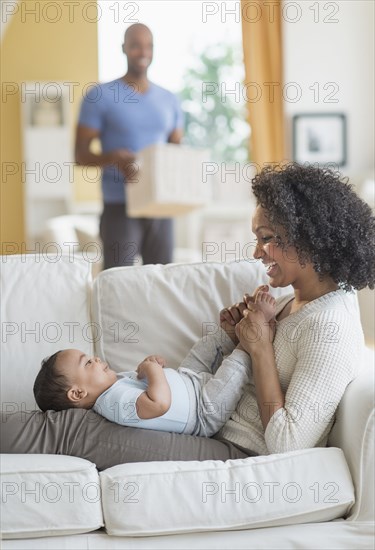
x=230 y=317
x=253 y=331
x=256 y=335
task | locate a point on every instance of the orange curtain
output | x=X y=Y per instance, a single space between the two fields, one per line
x=262 y=47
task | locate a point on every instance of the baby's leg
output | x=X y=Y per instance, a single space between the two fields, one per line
x=207 y=354
x=220 y=394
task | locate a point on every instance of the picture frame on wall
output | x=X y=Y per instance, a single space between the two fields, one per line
x=45 y=105
x=45 y=113
x=320 y=138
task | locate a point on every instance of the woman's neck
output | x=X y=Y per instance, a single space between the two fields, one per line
x=312 y=290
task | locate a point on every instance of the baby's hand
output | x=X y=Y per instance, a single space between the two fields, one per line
x=150 y=362
x=156 y=358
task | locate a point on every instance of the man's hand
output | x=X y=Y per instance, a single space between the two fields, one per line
x=123 y=159
x=126 y=163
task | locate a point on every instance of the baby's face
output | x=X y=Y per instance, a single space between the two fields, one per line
x=86 y=372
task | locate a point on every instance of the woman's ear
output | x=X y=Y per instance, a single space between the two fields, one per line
x=76 y=394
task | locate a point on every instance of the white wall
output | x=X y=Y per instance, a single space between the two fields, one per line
x=341 y=52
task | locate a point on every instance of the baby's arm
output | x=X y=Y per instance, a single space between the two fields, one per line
x=156 y=400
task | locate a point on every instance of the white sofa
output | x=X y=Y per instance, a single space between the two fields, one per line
x=322 y=497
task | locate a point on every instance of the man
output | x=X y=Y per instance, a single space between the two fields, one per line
x=127 y=115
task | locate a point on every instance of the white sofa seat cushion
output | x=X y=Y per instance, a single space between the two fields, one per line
x=154 y=498
x=49 y=495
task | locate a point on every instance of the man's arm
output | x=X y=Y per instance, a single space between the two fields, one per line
x=83 y=155
x=122 y=158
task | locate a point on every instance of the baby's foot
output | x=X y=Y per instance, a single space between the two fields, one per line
x=250 y=298
x=266 y=303
x=261 y=299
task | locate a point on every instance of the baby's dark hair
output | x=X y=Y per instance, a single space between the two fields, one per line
x=51 y=386
x=323 y=218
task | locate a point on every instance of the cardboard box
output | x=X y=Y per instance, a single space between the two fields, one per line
x=168 y=182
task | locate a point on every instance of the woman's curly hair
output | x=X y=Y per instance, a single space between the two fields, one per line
x=323 y=218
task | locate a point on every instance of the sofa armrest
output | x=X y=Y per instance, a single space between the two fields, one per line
x=353 y=432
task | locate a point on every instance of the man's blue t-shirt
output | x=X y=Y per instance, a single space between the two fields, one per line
x=128 y=120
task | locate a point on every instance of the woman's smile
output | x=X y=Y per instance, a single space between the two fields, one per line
x=271 y=269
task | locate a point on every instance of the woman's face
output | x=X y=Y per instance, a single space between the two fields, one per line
x=282 y=265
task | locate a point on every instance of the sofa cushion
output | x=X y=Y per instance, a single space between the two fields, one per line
x=44 y=308
x=46 y=495
x=174 y=497
x=165 y=309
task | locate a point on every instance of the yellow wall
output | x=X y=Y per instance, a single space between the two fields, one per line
x=32 y=50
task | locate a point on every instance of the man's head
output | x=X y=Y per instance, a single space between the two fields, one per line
x=138 y=48
x=70 y=378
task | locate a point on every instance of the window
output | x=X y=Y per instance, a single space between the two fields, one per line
x=197 y=55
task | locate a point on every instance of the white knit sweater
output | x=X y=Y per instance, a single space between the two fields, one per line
x=317 y=352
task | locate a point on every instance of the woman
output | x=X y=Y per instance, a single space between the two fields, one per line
x=314 y=234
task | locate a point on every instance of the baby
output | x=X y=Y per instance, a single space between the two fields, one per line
x=196 y=399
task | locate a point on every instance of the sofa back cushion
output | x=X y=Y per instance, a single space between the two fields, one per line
x=44 y=308
x=165 y=309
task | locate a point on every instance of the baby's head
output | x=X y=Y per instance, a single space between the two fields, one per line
x=70 y=378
